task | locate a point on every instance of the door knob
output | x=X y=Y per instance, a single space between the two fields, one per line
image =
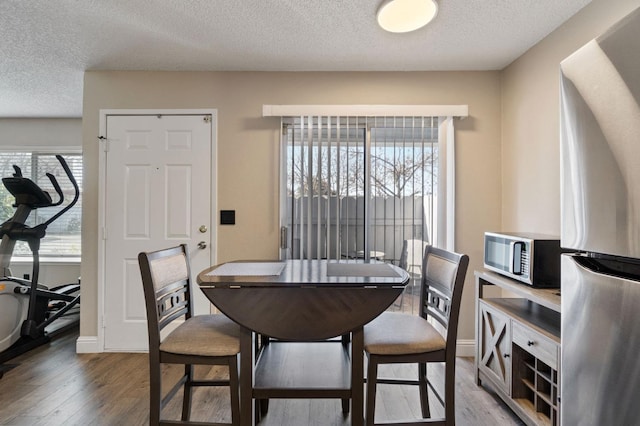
x=202 y=245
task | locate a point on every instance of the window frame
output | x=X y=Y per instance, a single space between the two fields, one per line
x=50 y=151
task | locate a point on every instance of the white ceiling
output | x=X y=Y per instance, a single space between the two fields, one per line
x=45 y=45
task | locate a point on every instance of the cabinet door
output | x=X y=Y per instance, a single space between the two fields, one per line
x=494 y=347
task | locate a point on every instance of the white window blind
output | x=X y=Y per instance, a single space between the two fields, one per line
x=63 y=235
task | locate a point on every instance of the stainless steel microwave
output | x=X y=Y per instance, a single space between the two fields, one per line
x=533 y=259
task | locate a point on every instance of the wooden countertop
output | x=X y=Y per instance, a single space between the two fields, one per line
x=547 y=297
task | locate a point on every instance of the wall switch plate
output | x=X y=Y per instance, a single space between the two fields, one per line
x=227 y=217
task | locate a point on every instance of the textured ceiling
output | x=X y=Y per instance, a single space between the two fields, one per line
x=45 y=45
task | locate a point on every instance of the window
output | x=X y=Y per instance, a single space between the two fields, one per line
x=368 y=181
x=359 y=187
x=63 y=235
x=362 y=188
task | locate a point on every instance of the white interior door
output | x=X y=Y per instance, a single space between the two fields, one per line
x=157 y=194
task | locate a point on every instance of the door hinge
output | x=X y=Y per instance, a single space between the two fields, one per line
x=105 y=145
x=207 y=119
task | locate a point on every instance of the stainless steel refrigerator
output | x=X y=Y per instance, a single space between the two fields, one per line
x=600 y=160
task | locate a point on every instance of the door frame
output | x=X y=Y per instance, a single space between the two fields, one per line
x=102 y=183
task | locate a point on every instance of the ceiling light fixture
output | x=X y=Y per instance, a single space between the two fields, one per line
x=402 y=16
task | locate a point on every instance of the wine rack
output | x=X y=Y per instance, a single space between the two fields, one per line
x=535 y=387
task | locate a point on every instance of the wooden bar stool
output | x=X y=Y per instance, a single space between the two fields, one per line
x=202 y=339
x=402 y=338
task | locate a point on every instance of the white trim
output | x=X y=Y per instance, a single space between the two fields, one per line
x=445 y=229
x=195 y=111
x=87 y=345
x=466 y=348
x=214 y=188
x=102 y=170
x=73 y=260
x=451 y=186
x=42 y=149
x=366 y=110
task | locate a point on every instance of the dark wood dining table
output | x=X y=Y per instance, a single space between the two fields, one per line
x=306 y=301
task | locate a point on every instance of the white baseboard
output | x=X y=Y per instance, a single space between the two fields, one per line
x=466 y=348
x=87 y=345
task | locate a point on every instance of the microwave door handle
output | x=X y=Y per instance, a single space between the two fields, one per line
x=515 y=261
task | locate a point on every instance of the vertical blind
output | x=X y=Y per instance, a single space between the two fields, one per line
x=359 y=187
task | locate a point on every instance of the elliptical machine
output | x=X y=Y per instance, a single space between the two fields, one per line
x=27 y=308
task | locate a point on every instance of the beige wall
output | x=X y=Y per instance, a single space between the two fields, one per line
x=507 y=150
x=41 y=132
x=248 y=148
x=530 y=120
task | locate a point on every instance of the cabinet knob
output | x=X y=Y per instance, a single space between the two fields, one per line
x=507 y=355
x=530 y=343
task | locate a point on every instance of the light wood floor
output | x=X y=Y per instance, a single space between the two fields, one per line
x=52 y=385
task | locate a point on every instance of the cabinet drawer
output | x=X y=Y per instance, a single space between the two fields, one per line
x=543 y=348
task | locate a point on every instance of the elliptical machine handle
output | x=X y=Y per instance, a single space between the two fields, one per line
x=16 y=171
x=72 y=179
x=56 y=186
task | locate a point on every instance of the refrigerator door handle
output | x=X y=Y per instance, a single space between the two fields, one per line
x=620 y=268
